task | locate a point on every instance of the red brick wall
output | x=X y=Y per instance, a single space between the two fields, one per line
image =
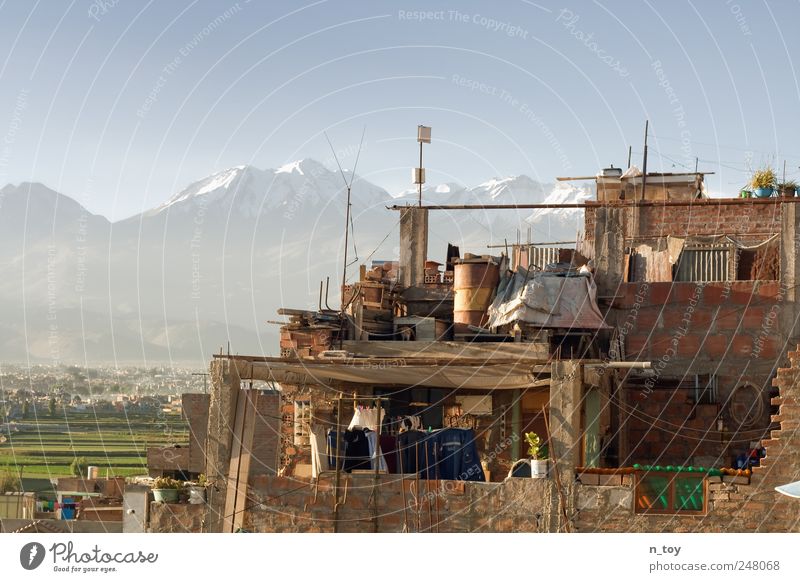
x=702 y=220
x=727 y=329
x=731 y=320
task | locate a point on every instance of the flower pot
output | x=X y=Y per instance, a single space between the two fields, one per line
x=165 y=495
x=764 y=192
x=197 y=495
x=539 y=468
x=788 y=193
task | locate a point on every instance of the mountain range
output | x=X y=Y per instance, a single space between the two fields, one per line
x=213 y=263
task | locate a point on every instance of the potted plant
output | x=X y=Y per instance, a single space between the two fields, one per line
x=538 y=454
x=197 y=491
x=787 y=189
x=763 y=182
x=165 y=489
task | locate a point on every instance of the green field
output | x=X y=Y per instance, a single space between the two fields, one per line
x=110 y=440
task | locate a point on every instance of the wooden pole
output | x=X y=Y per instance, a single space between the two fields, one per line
x=562 y=502
x=338 y=438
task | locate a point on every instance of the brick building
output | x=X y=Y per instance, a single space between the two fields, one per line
x=651 y=380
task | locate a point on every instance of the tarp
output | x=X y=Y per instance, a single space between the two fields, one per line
x=545 y=300
x=483 y=377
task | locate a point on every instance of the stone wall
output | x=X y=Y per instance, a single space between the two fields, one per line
x=176 y=518
x=290 y=505
x=195 y=410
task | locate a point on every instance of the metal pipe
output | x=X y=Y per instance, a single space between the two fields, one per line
x=516 y=424
x=622 y=365
x=611 y=203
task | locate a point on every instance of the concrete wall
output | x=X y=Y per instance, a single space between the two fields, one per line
x=134 y=508
x=17 y=505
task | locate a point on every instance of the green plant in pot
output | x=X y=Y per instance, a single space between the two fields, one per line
x=539 y=455
x=788 y=188
x=166 y=489
x=763 y=182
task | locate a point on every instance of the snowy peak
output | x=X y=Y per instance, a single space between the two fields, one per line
x=294 y=187
x=514 y=189
x=213 y=184
x=563 y=193
x=304 y=167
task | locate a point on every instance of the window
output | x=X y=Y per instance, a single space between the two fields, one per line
x=302 y=423
x=669 y=492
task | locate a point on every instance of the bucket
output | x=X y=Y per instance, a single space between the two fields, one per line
x=165 y=495
x=197 y=495
x=539 y=469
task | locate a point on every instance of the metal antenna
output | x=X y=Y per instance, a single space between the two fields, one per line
x=347 y=221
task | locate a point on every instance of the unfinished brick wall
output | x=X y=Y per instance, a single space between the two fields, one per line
x=654 y=220
x=265 y=453
x=728 y=329
x=734 y=320
x=733 y=505
x=658 y=221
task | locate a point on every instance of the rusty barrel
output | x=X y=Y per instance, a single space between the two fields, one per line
x=474 y=284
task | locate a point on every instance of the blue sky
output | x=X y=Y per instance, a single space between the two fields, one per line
x=121 y=103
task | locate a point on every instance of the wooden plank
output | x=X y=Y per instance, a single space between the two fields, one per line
x=442 y=349
x=232 y=489
x=243 y=476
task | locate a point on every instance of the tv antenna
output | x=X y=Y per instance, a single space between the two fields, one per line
x=347 y=217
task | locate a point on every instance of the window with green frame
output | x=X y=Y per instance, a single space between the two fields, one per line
x=670 y=492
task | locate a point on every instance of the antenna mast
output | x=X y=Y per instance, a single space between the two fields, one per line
x=423 y=136
x=348 y=185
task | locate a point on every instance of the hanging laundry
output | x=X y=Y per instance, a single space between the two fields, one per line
x=364 y=418
x=319 y=462
x=356 y=450
x=372 y=439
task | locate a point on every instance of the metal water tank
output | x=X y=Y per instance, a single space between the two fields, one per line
x=474 y=284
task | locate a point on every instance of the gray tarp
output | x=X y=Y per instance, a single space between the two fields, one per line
x=483 y=377
x=545 y=300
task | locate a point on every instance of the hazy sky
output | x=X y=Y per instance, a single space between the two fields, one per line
x=120 y=103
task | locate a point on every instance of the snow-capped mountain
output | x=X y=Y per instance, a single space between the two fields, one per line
x=215 y=261
x=250 y=192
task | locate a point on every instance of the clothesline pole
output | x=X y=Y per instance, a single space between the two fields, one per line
x=428 y=488
x=377 y=464
x=338 y=466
